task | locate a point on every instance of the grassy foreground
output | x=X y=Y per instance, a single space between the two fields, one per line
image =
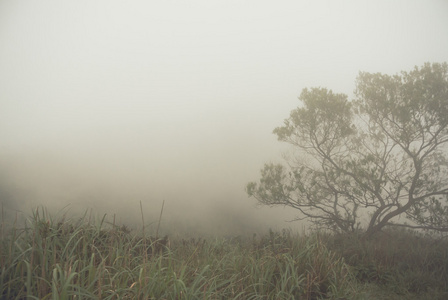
x=57 y=259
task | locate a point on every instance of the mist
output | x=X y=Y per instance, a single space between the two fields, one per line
x=105 y=105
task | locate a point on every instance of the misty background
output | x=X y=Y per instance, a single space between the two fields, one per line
x=106 y=104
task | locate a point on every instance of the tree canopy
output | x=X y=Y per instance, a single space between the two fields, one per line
x=377 y=160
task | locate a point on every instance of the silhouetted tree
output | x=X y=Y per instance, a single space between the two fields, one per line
x=367 y=163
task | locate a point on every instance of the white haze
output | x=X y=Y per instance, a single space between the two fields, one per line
x=106 y=104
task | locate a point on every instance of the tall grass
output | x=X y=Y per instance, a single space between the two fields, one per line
x=406 y=263
x=84 y=259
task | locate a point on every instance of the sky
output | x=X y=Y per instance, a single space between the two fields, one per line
x=108 y=104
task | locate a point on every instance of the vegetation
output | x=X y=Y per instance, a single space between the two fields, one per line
x=362 y=165
x=61 y=259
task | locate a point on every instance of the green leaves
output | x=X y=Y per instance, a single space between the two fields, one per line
x=272 y=187
x=410 y=107
x=325 y=118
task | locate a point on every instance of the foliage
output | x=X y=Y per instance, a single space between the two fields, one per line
x=377 y=158
x=399 y=261
x=60 y=259
x=57 y=259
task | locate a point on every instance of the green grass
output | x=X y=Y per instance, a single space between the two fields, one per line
x=58 y=259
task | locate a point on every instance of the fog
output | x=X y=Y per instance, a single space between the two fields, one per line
x=108 y=104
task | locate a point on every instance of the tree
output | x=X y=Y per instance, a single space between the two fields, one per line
x=379 y=160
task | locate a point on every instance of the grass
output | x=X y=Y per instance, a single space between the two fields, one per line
x=51 y=258
x=404 y=264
